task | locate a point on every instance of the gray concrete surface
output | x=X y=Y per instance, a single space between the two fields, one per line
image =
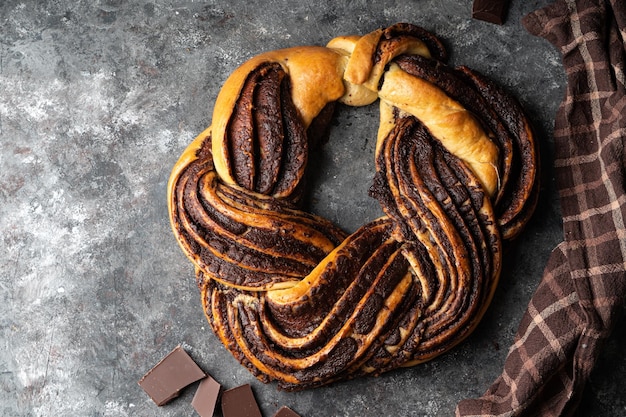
x=97 y=100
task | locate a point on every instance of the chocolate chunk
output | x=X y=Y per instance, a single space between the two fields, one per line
x=206 y=396
x=173 y=373
x=286 y=412
x=240 y=402
x=492 y=11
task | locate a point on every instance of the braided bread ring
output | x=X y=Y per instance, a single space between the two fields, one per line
x=292 y=296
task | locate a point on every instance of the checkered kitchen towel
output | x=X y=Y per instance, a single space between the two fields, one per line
x=583 y=289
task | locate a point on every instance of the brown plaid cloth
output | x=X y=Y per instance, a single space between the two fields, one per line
x=583 y=288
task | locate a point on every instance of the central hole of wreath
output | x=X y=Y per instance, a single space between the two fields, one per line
x=341 y=171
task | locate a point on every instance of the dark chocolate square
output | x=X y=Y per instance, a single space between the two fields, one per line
x=206 y=396
x=493 y=11
x=173 y=373
x=240 y=402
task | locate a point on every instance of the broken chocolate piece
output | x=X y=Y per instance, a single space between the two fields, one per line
x=173 y=373
x=286 y=412
x=206 y=396
x=240 y=402
x=492 y=11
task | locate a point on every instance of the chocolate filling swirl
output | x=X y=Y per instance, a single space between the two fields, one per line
x=295 y=299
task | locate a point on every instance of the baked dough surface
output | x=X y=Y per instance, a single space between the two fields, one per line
x=293 y=297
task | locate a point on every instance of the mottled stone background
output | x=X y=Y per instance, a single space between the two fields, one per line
x=98 y=99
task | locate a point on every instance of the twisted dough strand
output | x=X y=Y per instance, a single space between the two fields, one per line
x=293 y=297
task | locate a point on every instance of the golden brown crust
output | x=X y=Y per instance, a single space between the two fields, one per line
x=294 y=298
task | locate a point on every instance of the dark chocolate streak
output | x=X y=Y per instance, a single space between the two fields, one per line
x=269 y=129
x=520 y=197
x=295 y=149
x=240 y=135
x=267 y=153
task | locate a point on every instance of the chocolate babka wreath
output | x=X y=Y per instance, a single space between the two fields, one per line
x=293 y=297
